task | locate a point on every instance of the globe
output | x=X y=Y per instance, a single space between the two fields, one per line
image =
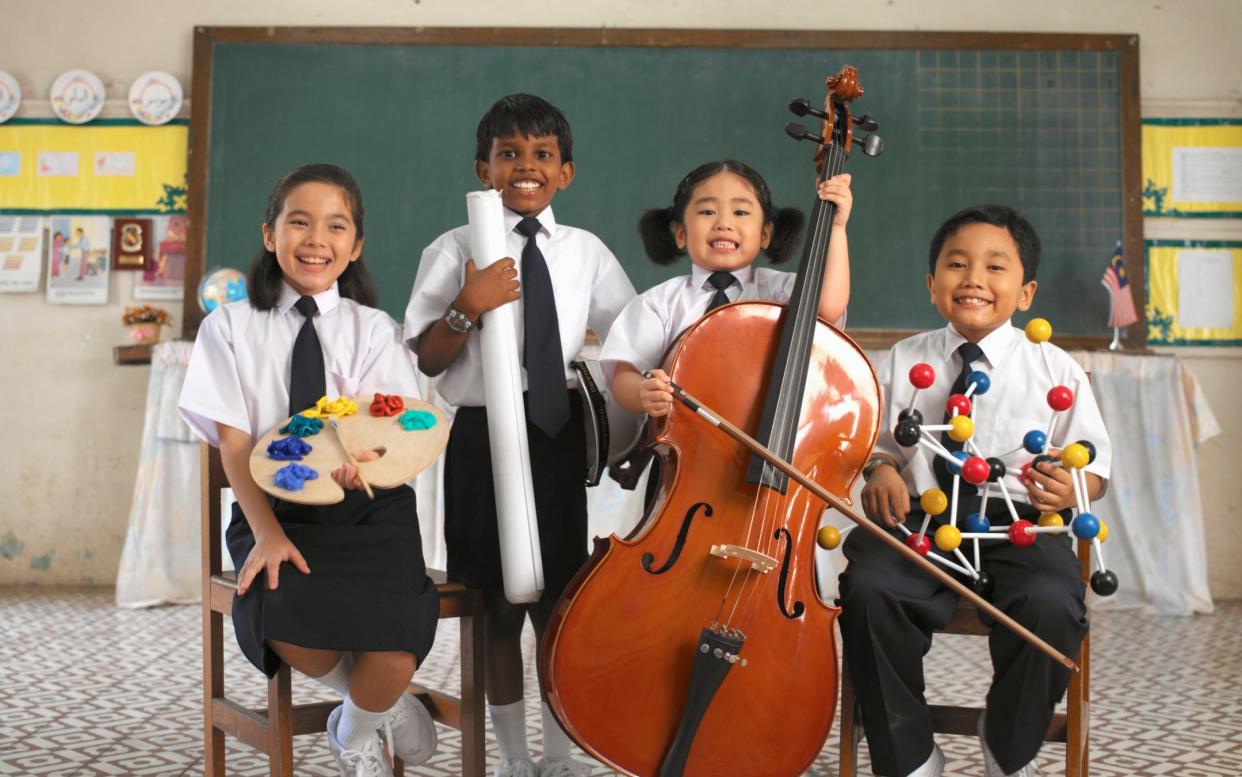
x=220 y=287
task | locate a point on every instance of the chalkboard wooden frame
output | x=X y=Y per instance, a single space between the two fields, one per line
x=1125 y=45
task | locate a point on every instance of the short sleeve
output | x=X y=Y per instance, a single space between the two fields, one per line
x=610 y=293
x=886 y=443
x=1083 y=420
x=389 y=367
x=439 y=279
x=212 y=392
x=637 y=337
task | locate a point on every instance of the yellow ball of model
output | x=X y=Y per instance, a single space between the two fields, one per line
x=933 y=501
x=1075 y=456
x=1038 y=330
x=962 y=428
x=948 y=538
x=828 y=537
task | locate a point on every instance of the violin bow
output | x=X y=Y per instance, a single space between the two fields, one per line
x=819 y=491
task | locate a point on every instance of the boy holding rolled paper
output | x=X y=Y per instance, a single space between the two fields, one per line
x=569 y=281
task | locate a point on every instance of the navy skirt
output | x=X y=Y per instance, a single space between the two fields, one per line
x=367 y=590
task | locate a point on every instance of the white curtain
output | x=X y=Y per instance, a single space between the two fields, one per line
x=161 y=562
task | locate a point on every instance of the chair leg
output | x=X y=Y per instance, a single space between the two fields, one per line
x=473 y=733
x=1077 y=731
x=280 y=724
x=848 y=748
x=213 y=688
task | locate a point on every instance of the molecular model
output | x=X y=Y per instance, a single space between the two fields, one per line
x=989 y=473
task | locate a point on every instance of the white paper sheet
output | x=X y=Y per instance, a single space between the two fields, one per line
x=520 y=558
x=21 y=252
x=1207 y=174
x=1204 y=289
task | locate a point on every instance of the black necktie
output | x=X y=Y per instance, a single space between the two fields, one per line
x=966 y=492
x=541 y=353
x=306 y=378
x=720 y=281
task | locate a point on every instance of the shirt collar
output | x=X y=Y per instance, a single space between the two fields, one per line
x=698 y=276
x=994 y=344
x=325 y=300
x=547 y=222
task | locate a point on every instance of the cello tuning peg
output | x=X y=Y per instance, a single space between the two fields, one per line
x=872 y=145
x=798 y=132
x=800 y=106
x=866 y=123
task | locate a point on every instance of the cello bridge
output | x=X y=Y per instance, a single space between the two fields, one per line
x=760 y=562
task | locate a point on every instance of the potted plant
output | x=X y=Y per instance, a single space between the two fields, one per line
x=144 y=323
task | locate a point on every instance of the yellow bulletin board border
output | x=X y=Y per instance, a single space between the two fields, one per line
x=152 y=178
x=1162 y=295
x=1160 y=137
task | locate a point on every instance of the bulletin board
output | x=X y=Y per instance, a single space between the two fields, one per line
x=1192 y=167
x=1194 y=292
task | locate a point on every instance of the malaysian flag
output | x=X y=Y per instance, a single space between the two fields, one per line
x=1121 y=302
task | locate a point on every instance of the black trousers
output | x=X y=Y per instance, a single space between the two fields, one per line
x=890 y=608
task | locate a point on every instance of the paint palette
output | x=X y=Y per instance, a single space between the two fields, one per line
x=402 y=453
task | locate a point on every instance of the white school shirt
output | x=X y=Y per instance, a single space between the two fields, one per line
x=587 y=280
x=240 y=367
x=652 y=321
x=1015 y=403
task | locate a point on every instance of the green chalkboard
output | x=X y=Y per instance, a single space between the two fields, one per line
x=1039 y=128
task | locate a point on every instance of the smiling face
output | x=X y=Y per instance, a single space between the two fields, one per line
x=977 y=284
x=314 y=237
x=722 y=227
x=527 y=171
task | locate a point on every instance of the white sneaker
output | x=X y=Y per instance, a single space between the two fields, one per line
x=367 y=761
x=933 y=766
x=563 y=766
x=992 y=769
x=516 y=767
x=410 y=731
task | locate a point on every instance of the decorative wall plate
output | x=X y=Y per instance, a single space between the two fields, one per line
x=155 y=98
x=77 y=96
x=10 y=96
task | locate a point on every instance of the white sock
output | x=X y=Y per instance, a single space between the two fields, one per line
x=556 y=742
x=337 y=678
x=357 y=726
x=509 y=723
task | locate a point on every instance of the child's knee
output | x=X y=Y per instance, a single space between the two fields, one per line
x=396 y=663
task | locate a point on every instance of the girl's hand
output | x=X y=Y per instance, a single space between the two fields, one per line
x=346 y=475
x=885 y=498
x=837 y=191
x=655 y=393
x=1049 y=487
x=269 y=551
x=487 y=289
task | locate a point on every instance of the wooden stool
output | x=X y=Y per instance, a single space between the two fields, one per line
x=271 y=730
x=1070 y=727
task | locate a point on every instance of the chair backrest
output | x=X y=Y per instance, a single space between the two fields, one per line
x=213 y=482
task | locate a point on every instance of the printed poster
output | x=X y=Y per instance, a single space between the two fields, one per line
x=78 y=261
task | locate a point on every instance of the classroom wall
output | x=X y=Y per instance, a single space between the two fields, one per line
x=70 y=453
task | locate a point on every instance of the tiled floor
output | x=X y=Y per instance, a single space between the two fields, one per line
x=87 y=689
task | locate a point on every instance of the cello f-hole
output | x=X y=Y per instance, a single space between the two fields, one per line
x=798 y=607
x=648 y=559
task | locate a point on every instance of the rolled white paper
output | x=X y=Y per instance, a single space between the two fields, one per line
x=520 y=559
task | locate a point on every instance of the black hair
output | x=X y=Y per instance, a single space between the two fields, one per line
x=531 y=116
x=1002 y=216
x=263 y=282
x=655 y=226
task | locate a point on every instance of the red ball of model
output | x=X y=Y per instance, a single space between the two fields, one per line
x=976 y=470
x=1020 y=533
x=922 y=375
x=1060 y=398
x=920 y=543
x=959 y=403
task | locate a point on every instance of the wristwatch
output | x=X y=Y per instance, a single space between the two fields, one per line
x=458 y=321
x=872 y=463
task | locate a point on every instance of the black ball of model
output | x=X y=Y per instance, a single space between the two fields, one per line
x=1090 y=449
x=910 y=414
x=982 y=584
x=906 y=434
x=996 y=470
x=1104 y=583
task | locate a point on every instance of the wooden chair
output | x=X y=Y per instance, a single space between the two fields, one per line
x=1070 y=727
x=271 y=730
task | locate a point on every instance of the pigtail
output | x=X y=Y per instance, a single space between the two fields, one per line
x=263 y=280
x=786 y=231
x=655 y=227
x=356 y=284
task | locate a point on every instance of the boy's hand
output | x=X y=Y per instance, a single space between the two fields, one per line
x=346 y=475
x=837 y=191
x=655 y=393
x=885 y=498
x=269 y=551
x=1049 y=487
x=487 y=289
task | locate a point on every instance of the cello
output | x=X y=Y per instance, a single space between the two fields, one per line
x=724 y=562
x=698 y=645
